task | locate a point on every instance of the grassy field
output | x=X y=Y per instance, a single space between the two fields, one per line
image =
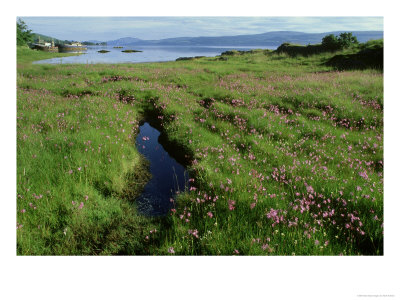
x=25 y=56
x=286 y=156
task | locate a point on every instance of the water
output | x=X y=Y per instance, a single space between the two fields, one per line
x=149 y=54
x=168 y=176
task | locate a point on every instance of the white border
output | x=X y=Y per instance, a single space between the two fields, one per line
x=199 y=277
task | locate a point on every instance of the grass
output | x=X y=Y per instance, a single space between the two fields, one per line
x=286 y=156
x=25 y=55
x=367 y=55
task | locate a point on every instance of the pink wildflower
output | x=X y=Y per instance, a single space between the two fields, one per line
x=363 y=175
x=195 y=233
x=231 y=204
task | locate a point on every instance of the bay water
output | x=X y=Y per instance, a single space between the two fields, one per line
x=148 y=54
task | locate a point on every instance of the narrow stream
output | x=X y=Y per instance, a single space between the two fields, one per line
x=168 y=176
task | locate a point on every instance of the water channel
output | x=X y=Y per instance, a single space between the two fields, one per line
x=168 y=176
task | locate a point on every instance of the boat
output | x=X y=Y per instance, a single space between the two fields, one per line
x=72 y=47
x=45 y=46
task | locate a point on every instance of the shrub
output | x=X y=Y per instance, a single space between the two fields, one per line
x=346 y=39
x=24 y=35
x=294 y=50
x=330 y=42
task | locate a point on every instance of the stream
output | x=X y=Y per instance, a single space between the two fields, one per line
x=168 y=176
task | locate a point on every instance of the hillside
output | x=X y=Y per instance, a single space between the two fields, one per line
x=46 y=38
x=274 y=38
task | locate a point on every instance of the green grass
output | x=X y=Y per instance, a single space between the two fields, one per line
x=25 y=55
x=286 y=156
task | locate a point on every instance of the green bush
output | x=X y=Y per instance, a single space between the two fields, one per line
x=346 y=39
x=24 y=35
x=330 y=42
x=294 y=50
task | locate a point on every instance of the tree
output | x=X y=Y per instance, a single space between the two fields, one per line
x=346 y=39
x=330 y=42
x=24 y=35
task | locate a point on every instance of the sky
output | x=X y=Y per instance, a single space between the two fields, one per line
x=153 y=28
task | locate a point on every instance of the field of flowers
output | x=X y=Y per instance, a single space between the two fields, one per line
x=285 y=156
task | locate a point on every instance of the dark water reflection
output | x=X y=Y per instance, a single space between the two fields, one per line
x=168 y=176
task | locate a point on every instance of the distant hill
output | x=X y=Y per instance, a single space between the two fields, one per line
x=94 y=43
x=274 y=38
x=45 y=38
x=125 y=41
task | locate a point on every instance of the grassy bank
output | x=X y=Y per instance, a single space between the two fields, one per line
x=367 y=55
x=75 y=156
x=25 y=55
x=286 y=157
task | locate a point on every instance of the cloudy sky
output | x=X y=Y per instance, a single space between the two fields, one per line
x=148 y=28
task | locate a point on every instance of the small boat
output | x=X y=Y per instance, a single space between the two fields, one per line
x=72 y=47
x=45 y=46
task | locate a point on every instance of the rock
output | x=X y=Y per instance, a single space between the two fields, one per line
x=131 y=51
x=184 y=58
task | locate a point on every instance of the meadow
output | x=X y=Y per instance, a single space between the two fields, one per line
x=285 y=155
